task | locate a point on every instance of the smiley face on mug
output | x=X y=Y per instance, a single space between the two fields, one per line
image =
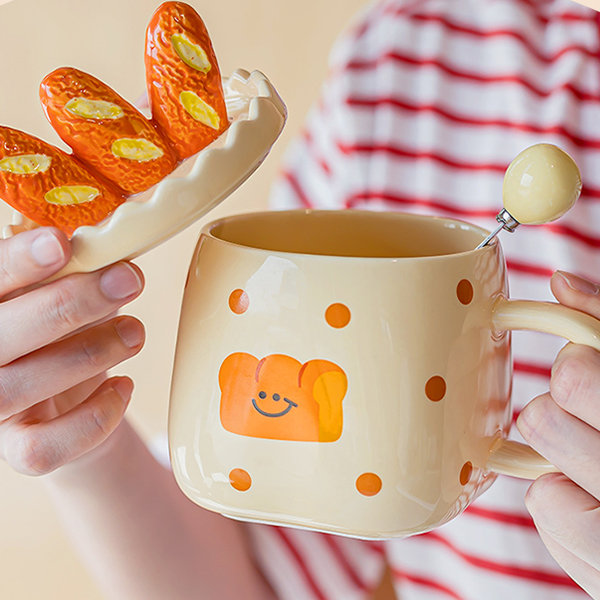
x=278 y=397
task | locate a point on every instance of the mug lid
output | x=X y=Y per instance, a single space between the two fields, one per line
x=201 y=182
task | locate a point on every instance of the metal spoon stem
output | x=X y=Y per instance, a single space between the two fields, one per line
x=506 y=221
x=490 y=237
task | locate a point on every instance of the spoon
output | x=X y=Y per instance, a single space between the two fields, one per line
x=540 y=185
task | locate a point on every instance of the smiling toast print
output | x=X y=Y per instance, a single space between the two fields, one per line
x=280 y=398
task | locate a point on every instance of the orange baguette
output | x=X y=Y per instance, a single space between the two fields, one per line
x=105 y=131
x=183 y=79
x=49 y=186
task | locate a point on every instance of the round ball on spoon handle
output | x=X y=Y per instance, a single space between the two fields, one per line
x=540 y=185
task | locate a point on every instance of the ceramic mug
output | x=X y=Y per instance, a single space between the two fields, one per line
x=349 y=371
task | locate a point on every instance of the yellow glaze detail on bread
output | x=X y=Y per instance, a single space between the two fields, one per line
x=199 y=110
x=71 y=194
x=94 y=109
x=193 y=55
x=25 y=164
x=138 y=149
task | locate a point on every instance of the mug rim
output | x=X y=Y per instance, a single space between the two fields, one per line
x=208 y=231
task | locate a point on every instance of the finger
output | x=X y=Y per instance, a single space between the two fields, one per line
x=30 y=257
x=568 y=514
x=55 y=405
x=579 y=571
x=575 y=382
x=105 y=319
x=61 y=307
x=576 y=292
x=41 y=448
x=566 y=441
x=60 y=366
x=70 y=398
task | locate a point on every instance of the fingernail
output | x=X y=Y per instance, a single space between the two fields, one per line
x=46 y=250
x=578 y=283
x=123 y=387
x=119 y=282
x=131 y=332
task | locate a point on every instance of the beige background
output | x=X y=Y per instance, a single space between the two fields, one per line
x=595 y=4
x=289 y=42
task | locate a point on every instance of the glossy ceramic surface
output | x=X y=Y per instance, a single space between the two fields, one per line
x=345 y=372
x=541 y=184
x=116 y=151
x=197 y=185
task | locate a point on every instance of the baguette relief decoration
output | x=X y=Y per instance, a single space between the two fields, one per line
x=117 y=151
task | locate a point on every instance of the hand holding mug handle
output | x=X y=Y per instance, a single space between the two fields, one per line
x=514 y=458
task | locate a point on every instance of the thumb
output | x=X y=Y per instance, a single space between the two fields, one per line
x=576 y=292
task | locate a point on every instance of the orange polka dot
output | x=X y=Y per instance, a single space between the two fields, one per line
x=368 y=484
x=240 y=480
x=465 y=473
x=337 y=315
x=239 y=301
x=464 y=291
x=435 y=388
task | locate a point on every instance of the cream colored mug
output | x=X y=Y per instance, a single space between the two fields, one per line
x=349 y=371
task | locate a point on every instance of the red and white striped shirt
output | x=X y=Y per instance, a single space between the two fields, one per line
x=426 y=104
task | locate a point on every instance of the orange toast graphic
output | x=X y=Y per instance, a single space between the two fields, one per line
x=281 y=399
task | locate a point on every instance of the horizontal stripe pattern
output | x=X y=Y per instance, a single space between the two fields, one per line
x=426 y=104
x=365 y=90
x=453 y=26
x=510 y=568
x=538 y=90
x=459 y=175
x=402 y=104
x=533 y=369
x=498 y=516
x=537 y=41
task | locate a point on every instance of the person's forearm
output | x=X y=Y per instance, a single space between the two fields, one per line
x=141 y=537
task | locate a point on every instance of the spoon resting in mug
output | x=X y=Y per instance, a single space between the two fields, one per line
x=540 y=185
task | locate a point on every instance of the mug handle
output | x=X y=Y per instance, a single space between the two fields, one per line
x=514 y=458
